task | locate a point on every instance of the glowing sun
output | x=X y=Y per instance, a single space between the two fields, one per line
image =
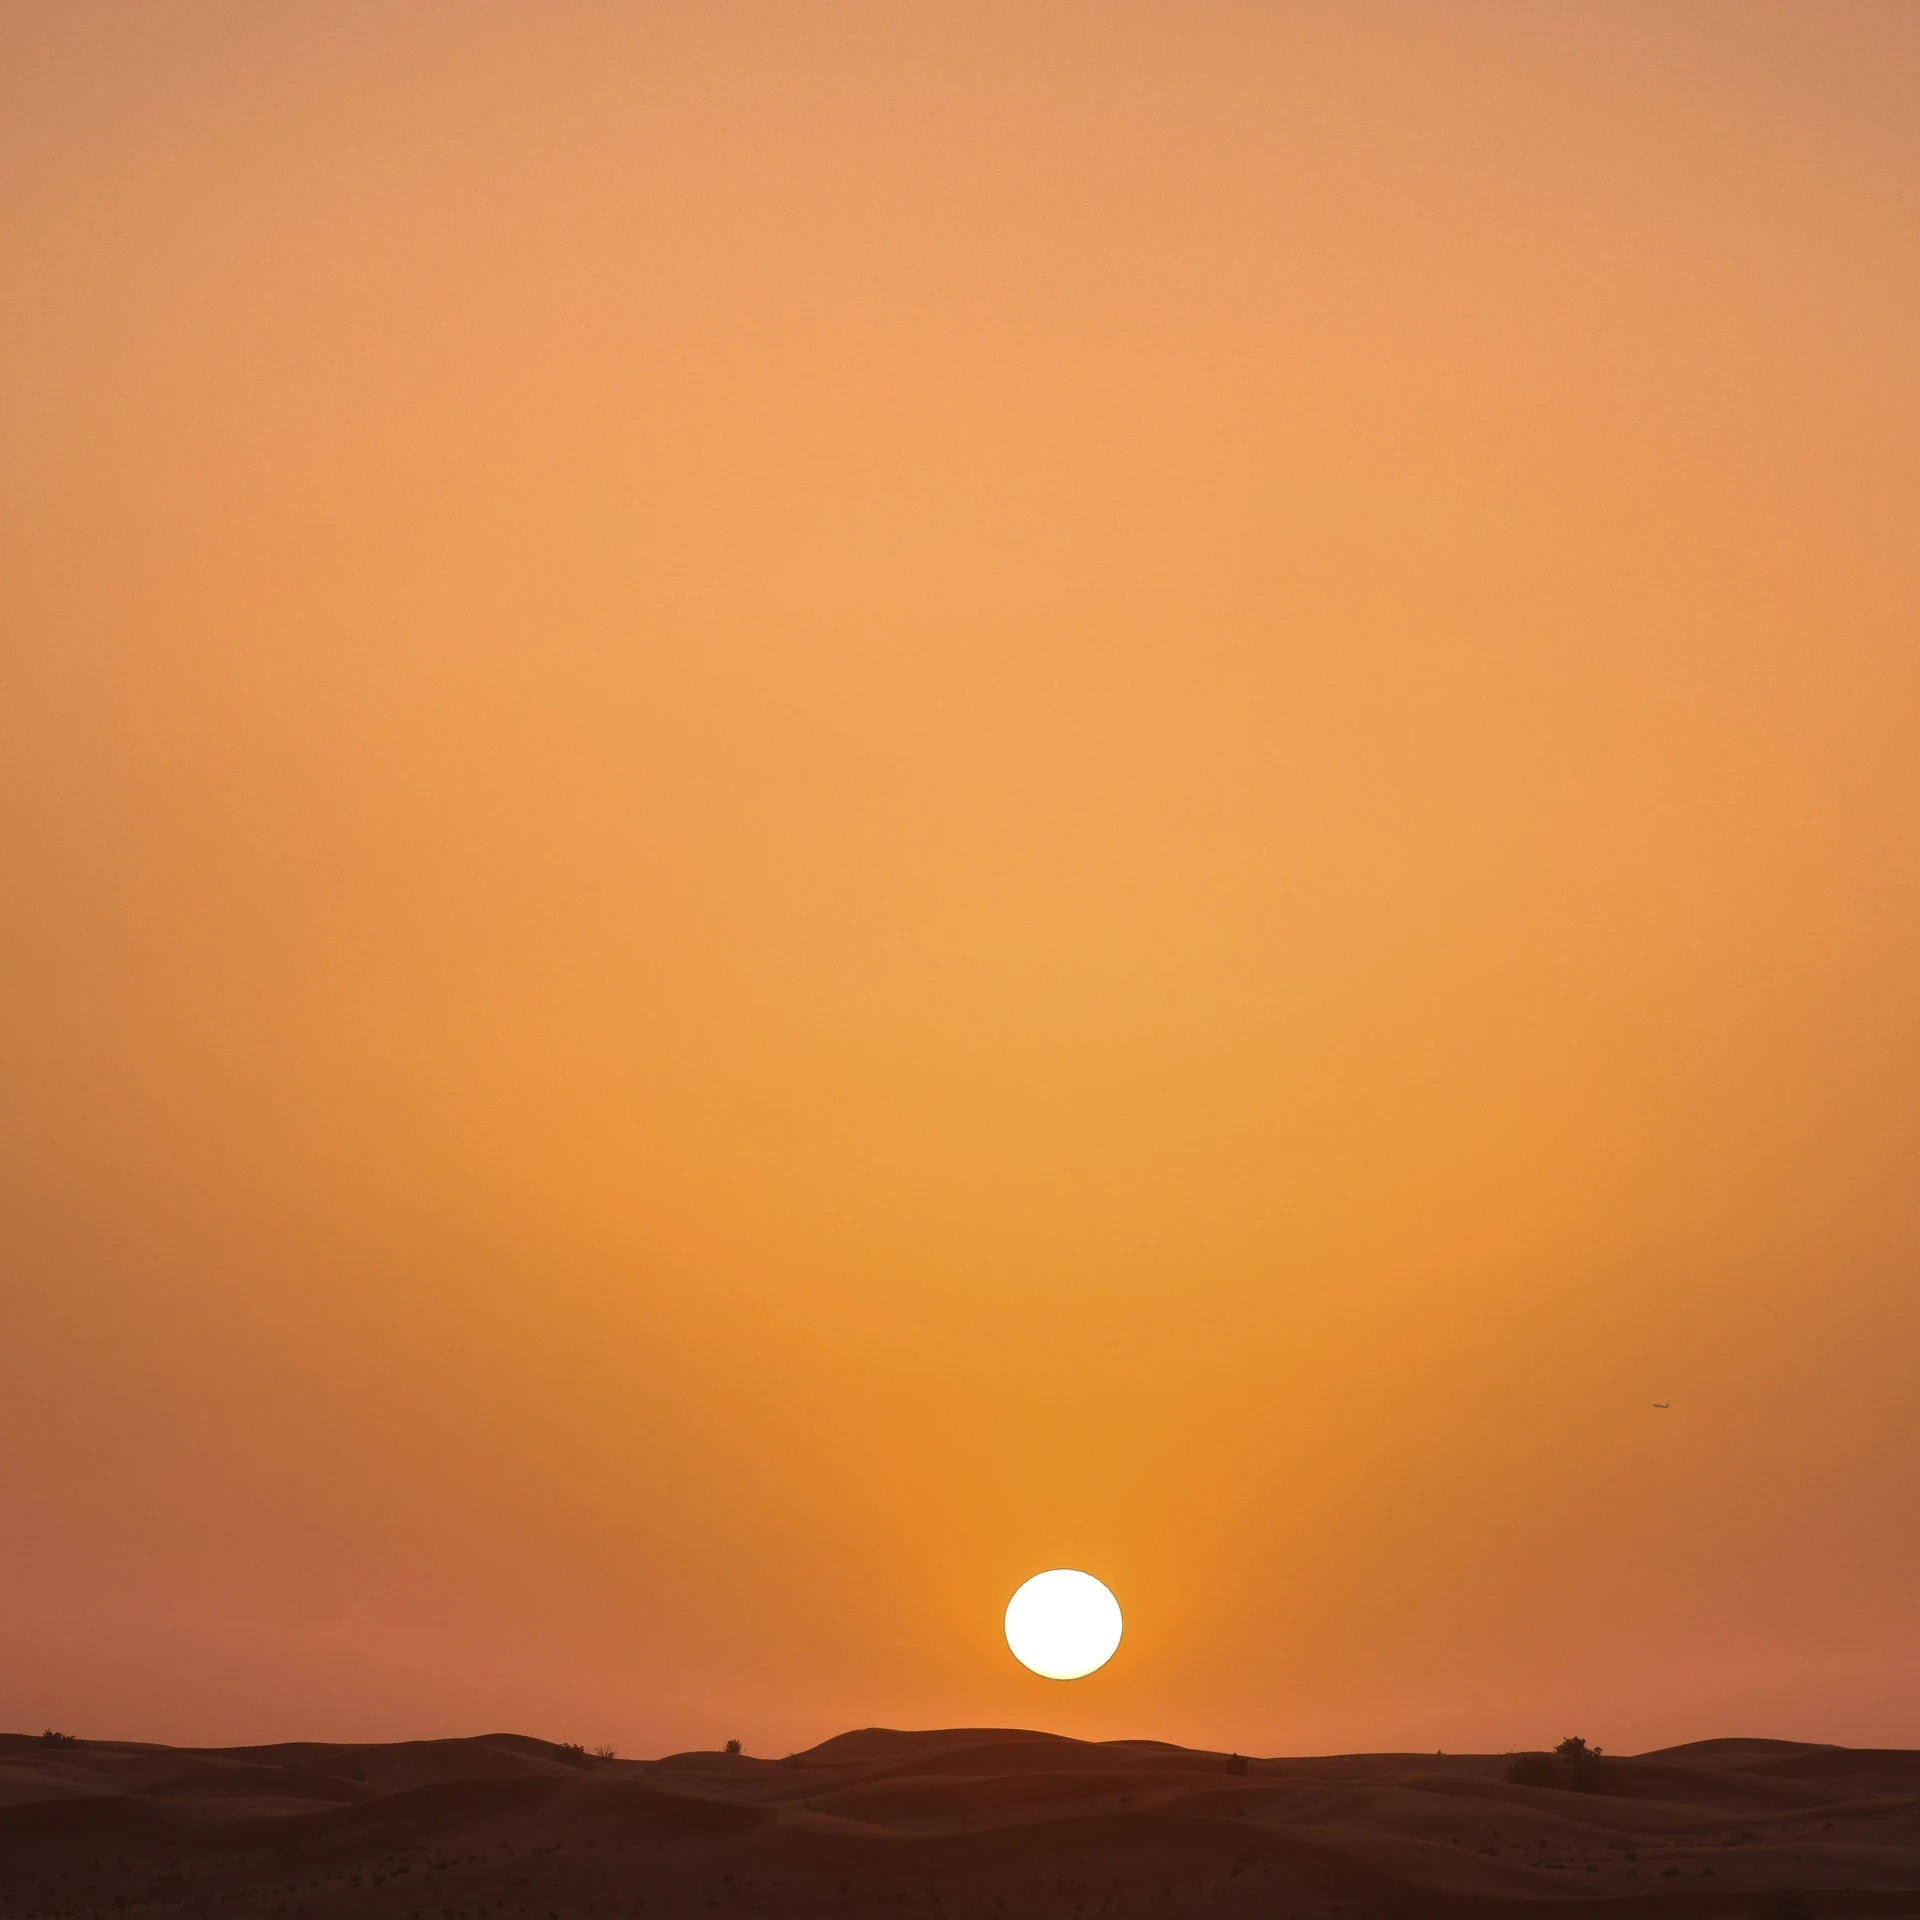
x=1063 y=1624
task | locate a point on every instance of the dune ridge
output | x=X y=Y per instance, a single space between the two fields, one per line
x=994 y=1821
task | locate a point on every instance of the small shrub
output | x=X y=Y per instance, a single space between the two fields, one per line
x=733 y=1746
x=1236 y=1763
x=1572 y=1764
x=54 y=1738
x=605 y=1753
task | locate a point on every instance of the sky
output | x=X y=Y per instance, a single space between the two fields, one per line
x=803 y=805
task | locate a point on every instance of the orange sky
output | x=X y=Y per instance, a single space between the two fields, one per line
x=800 y=806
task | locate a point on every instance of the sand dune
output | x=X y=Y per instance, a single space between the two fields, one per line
x=984 y=1821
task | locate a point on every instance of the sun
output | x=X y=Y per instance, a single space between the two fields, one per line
x=1062 y=1624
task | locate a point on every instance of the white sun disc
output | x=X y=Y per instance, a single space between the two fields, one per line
x=1063 y=1624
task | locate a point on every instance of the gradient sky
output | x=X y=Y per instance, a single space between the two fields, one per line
x=803 y=805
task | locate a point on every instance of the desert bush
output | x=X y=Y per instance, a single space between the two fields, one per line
x=1572 y=1764
x=733 y=1746
x=606 y=1753
x=1236 y=1763
x=54 y=1738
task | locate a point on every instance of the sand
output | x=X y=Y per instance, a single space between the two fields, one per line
x=876 y=1825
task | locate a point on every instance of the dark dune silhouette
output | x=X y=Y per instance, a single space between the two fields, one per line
x=981 y=1821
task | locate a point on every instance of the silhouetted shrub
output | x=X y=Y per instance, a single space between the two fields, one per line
x=1578 y=1764
x=1788 y=1903
x=1572 y=1764
x=733 y=1746
x=1236 y=1763
x=53 y=1738
x=573 y=1753
x=605 y=1753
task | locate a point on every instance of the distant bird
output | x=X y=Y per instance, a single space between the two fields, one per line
x=1660 y=1406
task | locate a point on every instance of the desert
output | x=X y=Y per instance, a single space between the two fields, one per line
x=986 y=934
x=987 y=1821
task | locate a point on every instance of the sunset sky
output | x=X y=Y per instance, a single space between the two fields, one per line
x=801 y=805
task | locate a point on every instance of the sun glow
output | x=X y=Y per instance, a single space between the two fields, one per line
x=1062 y=1624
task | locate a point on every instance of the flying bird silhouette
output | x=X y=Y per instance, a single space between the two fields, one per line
x=1660 y=1406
